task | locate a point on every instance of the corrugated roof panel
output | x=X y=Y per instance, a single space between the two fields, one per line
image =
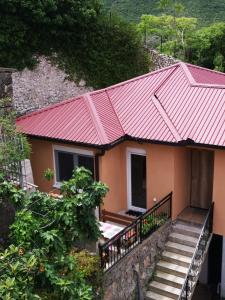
x=107 y=115
x=206 y=76
x=69 y=121
x=170 y=105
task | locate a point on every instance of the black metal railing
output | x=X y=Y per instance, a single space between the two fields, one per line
x=132 y=235
x=198 y=256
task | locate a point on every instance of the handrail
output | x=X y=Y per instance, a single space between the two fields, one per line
x=185 y=284
x=152 y=209
x=132 y=235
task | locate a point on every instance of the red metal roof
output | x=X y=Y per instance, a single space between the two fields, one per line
x=170 y=105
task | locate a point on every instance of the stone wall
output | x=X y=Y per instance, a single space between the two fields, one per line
x=5 y=82
x=120 y=281
x=46 y=84
x=159 y=60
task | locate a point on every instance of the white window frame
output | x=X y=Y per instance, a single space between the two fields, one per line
x=136 y=151
x=57 y=184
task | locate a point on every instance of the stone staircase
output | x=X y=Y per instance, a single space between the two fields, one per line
x=172 y=269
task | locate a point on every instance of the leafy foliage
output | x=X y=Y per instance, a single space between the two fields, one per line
x=206 y=47
x=13 y=145
x=206 y=11
x=79 y=38
x=41 y=261
x=173 y=32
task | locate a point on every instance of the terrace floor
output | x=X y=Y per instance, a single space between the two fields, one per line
x=193 y=215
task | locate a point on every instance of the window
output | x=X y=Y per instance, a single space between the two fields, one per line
x=67 y=161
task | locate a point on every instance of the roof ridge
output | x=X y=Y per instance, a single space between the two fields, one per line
x=205 y=69
x=134 y=79
x=166 y=118
x=165 y=80
x=194 y=83
x=188 y=74
x=114 y=111
x=95 y=118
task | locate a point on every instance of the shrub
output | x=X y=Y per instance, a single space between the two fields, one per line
x=41 y=261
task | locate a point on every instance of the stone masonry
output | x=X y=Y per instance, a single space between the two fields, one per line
x=46 y=84
x=159 y=60
x=5 y=82
x=120 y=281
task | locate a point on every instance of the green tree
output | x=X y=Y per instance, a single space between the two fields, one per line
x=75 y=34
x=171 y=6
x=173 y=33
x=206 y=47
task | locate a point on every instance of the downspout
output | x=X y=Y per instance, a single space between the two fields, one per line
x=96 y=160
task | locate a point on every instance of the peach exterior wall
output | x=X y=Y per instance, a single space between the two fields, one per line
x=168 y=169
x=42 y=158
x=165 y=173
x=219 y=192
x=182 y=172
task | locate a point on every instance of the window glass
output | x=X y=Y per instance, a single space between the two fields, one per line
x=87 y=162
x=65 y=166
x=66 y=162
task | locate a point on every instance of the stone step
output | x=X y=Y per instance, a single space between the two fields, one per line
x=187 y=229
x=164 y=289
x=171 y=268
x=176 y=258
x=155 y=296
x=169 y=279
x=180 y=249
x=183 y=239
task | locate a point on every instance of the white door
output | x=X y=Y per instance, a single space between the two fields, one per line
x=136 y=179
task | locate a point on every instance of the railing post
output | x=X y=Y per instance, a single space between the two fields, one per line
x=140 y=229
x=100 y=254
x=186 y=288
x=170 y=216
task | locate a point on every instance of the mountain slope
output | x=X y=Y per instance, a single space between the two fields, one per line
x=206 y=11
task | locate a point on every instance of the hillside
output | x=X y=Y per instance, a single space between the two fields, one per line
x=206 y=11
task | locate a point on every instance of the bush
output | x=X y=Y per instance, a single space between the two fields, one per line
x=41 y=261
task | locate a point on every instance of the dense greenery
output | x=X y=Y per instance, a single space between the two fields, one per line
x=75 y=34
x=41 y=261
x=40 y=256
x=13 y=145
x=206 y=47
x=206 y=11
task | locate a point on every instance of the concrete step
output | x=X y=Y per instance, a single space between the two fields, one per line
x=164 y=289
x=180 y=249
x=185 y=229
x=169 y=279
x=171 y=268
x=155 y=296
x=176 y=258
x=183 y=239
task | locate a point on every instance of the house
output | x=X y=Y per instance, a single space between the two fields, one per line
x=148 y=136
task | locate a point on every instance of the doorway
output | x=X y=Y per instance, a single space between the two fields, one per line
x=136 y=175
x=202 y=162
